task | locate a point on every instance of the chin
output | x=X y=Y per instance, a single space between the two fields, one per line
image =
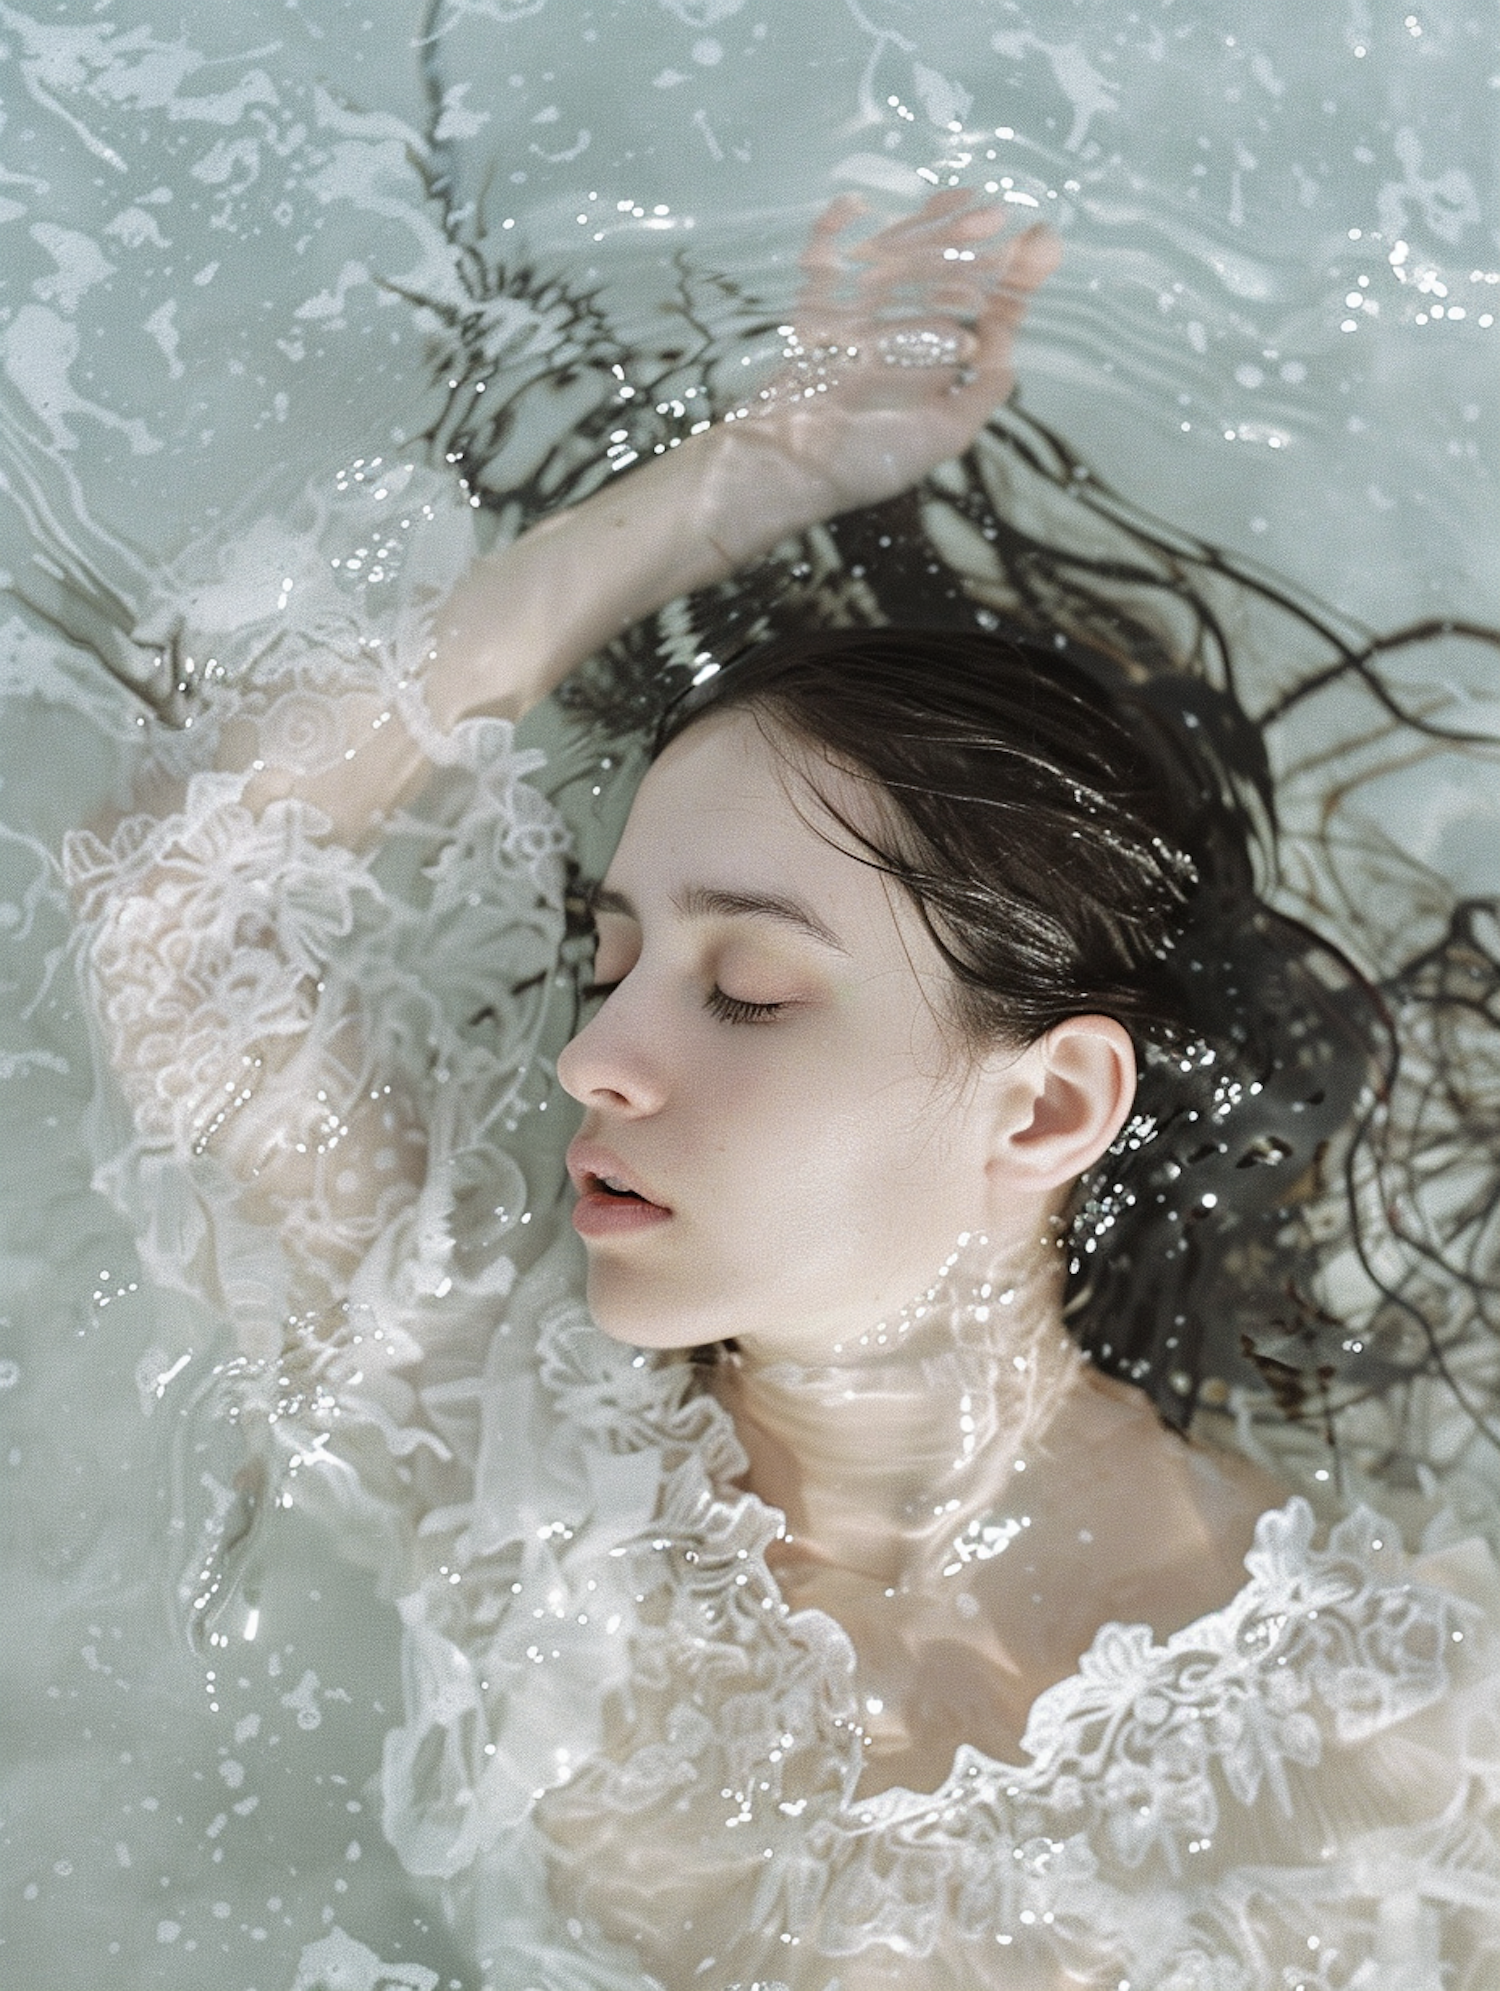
x=628 y=1310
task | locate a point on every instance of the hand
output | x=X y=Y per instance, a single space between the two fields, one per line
x=902 y=347
x=845 y=423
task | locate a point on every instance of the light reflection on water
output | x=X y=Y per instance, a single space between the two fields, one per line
x=1275 y=324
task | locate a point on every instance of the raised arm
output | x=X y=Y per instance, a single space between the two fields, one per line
x=238 y=1046
x=901 y=348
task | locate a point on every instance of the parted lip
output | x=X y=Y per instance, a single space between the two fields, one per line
x=589 y=1164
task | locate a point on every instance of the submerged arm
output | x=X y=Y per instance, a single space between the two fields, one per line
x=868 y=403
x=902 y=349
x=234 y=1042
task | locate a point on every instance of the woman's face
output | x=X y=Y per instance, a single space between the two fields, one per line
x=769 y=1069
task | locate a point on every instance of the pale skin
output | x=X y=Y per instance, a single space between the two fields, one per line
x=775 y=1061
x=799 y=1098
x=819 y=439
x=791 y=1087
x=816 y=440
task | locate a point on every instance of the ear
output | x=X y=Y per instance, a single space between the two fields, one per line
x=1060 y=1104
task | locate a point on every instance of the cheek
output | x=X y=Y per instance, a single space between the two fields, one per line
x=828 y=1139
x=816 y=1185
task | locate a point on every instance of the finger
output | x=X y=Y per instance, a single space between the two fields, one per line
x=950 y=215
x=937 y=209
x=823 y=260
x=976 y=223
x=822 y=245
x=904 y=242
x=1033 y=257
x=956 y=289
x=1036 y=255
x=926 y=266
x=963 y=237
x=969 y=279
x=836 y=217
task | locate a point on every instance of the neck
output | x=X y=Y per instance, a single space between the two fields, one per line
x=880 y=1455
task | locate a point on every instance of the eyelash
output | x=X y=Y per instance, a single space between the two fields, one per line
x=727 y=1008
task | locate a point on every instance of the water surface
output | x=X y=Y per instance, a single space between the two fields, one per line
x=246 y=246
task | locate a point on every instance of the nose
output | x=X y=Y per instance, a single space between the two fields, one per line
x=608 y=1064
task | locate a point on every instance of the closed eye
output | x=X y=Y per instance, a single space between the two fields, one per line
x=730 y=1009
x=727 y=1008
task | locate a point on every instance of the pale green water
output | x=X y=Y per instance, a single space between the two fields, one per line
x=210 y=217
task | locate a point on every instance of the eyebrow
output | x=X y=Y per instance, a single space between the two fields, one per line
x=696 y=902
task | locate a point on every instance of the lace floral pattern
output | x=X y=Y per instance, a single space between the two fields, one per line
x=1234 y=1807
x=612 y=1718
x=324 y=1050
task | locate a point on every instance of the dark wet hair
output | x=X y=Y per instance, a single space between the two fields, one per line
x=1080 y=844
x=1347 y=1264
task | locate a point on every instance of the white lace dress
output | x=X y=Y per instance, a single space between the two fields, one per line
x=622 y=1755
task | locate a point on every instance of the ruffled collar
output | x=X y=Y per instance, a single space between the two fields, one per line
x=1365 y=1644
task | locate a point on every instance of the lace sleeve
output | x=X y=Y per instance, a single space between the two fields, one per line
x=318 y=1003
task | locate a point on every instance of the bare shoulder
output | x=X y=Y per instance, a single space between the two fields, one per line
x=1165 y=1521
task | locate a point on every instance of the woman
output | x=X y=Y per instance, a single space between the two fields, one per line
x=893 y=1642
